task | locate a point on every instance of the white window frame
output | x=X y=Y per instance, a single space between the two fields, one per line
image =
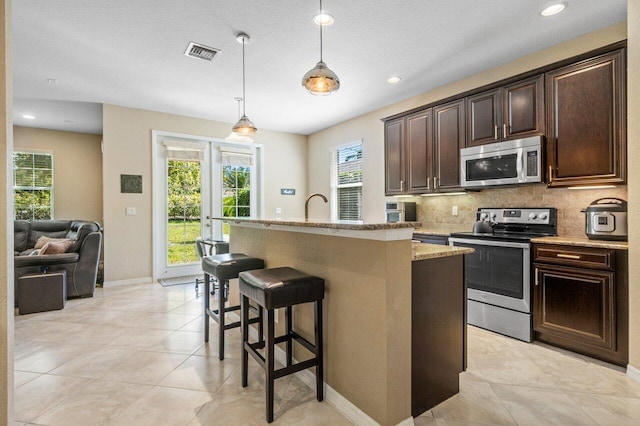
x=334 y=176
x=50 y=188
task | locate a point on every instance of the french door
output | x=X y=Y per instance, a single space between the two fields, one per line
x=183 y=192
x=196 y=179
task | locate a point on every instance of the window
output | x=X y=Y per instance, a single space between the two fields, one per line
x=346 y=182
x=33 y=185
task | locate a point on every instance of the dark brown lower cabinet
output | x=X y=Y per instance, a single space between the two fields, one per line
x=438 y=331
x=581 y=300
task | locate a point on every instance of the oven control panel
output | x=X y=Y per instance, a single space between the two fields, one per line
x=524 y=216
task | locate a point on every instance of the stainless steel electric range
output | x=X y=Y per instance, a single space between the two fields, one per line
x=498 y=273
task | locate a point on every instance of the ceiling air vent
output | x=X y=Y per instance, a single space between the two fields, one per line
x=200 y=51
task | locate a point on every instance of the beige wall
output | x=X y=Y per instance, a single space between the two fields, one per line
x=371 y=129
x=633 y=131
x=127 y=150
x=77 y=168
x=6 y=230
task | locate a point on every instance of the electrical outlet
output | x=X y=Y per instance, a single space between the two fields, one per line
x=278 y=210
x=131 y=211
x=454 y=210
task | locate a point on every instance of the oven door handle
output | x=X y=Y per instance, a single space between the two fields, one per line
x=453 y=240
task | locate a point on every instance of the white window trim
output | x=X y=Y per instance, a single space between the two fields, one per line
x=333 y=172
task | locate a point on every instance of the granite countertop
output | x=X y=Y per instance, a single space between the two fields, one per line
x=440 y=232
x=422 y=251
x=582 y=242
x=351 y=225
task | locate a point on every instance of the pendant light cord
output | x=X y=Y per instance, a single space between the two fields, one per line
x=244 y=97
x=321 y=25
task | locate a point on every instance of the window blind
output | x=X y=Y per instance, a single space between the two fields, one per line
x=233 y=156
x=184 y=150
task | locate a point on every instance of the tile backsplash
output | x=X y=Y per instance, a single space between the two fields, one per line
x=435 y=213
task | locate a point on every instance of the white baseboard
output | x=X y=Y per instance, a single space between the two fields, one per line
x=633 y=373
x=333 y=398
x=143 y=280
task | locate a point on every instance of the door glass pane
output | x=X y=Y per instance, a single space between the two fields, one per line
x=236 y=193
x=184 y=210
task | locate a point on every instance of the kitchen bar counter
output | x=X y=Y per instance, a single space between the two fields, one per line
x=371 y=316
x=582 y=242
x=422 y=251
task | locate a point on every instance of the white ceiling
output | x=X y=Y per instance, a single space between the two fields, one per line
x=130 y=53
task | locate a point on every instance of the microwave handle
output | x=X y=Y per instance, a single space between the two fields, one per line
x=520 y=162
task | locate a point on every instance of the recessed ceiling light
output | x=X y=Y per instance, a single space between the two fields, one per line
x=52 y=81
x=324 y=19
x=29 y=116
x=393 y=79
x=553 y=9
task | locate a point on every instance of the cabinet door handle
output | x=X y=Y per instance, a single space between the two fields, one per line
x=550 y=172
x=536 y=272
x=504 y=131
x=401 y=185
x=568 y=256
x=495 y=132
x=435 y=183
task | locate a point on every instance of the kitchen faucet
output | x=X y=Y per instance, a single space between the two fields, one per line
x=306 y=204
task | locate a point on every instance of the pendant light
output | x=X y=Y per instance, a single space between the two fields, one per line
x=244 y=126
x=233 y=136
x=321 y=80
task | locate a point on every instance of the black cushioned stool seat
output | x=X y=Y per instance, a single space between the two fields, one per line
x=280 y=288
x=225 y=267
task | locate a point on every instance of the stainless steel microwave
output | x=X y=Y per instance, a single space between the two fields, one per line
x=502 y=163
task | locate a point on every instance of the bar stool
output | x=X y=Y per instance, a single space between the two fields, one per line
x=215 y=247
x=225 y=267
x=280 y=288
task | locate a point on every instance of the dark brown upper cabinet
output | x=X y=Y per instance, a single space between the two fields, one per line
x=422 y=150
x=508 y=112
x=394 y=156
x=447 y=140
x=586 y=114
x=419 y=150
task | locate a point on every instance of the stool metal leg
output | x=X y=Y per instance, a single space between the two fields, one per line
x=288 y=334
x=221 y=318
x=207 y=302
x=269 y=361
x=317 y=313
x=244 y=321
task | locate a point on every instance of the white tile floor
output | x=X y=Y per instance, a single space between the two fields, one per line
x=134 y=355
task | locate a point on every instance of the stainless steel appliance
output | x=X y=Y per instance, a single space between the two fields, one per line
x=502 y=163
x=606 y=219
x=400 y=211
x=498 y=273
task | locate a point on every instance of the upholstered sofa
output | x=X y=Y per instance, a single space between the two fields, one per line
x=70 y=245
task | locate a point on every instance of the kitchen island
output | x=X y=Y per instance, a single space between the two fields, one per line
x=370 y=304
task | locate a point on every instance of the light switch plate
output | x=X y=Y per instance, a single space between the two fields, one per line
x=131 y=211
x=454 y=210
x=278 y=210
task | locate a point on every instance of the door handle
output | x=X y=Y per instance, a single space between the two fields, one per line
x=495 y=132
x=536 y=273
x=435 y=183
x=504 y=130
x=401 y=185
